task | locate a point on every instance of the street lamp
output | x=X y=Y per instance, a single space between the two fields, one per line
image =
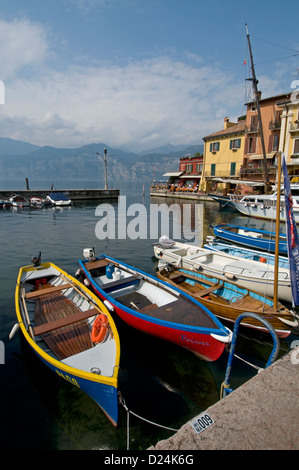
x=105 y=161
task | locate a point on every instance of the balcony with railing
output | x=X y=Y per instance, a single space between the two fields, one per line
x=294 y=127
x=252 y=129
x=274 y=125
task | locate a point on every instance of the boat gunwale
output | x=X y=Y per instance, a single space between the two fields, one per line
x=56 y=363
x=220 y=328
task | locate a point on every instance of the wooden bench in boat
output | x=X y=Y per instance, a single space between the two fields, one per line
x=62 y=325
x=99 y=263
x=47 y=290
x=54 y=325
x=207 y=291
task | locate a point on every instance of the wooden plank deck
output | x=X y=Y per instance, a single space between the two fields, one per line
x=69 y=339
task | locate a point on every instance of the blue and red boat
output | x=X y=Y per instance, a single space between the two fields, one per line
x=154 y=307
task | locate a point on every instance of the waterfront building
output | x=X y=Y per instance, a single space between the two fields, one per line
x=223 y=156
x=271 y=117
x=289 y=132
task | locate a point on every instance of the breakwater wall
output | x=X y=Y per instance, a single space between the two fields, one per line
x=73 y=194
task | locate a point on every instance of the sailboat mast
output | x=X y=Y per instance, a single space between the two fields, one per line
x=256 y=95
x=276 y=264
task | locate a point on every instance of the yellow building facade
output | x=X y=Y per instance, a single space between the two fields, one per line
x=289 y=132
x=223 y=155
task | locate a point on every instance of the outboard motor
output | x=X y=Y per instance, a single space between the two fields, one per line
x=36 y=259
x=89 y=253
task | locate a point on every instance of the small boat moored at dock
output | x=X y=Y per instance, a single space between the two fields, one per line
x=251 y=237
x=5 y=204
x=227 y=300
x=37 y=201
x=58 y=199
x=253 y=275
x=263 y=206
x=154 y=307
x=19 y=201
x=247 y=253
x=71 y=331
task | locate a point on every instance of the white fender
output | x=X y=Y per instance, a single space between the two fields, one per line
x=109 y=306
x=14 y=330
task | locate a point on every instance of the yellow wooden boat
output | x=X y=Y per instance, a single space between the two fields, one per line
x=63 y=323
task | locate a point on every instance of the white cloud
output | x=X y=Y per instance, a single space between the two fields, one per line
x=139 y=105
x=22 y=44
x=149 y=102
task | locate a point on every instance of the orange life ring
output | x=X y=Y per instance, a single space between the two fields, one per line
x=99 y=328
x=262 y=260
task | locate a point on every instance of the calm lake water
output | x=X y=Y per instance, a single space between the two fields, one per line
x=160 y=382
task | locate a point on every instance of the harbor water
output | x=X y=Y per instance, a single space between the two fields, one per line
x=163 y=386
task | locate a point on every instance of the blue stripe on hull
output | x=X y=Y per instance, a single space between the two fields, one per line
x=104 y=395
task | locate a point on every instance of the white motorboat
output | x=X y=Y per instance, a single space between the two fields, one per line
x=254 y=275
x=37 y=201
x=263 y=206
x=59 y=199
x=18 y=201
x=247 y=253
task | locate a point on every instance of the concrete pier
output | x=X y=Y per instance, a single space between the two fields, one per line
x=200 y=197
x=73 y=194
x=262 y=414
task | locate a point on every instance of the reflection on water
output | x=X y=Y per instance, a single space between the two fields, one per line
x=159 y=381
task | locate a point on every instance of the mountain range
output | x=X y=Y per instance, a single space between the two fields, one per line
x=19 y=160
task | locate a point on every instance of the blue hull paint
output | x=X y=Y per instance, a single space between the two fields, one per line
x=252 y=238
x=106 y=396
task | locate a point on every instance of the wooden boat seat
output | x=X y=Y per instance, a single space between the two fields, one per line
x=96 y=264
x=69 y=339
x=47 y=290
x=207 y=291
x=54 y=325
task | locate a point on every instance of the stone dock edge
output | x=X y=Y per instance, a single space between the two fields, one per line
x=262 y=414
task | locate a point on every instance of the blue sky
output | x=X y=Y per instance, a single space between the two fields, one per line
x=138 y=74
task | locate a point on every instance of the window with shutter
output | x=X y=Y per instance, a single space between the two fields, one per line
x=252 y=145
x=214 y=146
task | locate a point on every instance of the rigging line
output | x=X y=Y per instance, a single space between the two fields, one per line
x=280 y=58
x=273 y=44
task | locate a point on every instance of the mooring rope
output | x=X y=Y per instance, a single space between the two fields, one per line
x=259 y=369
x=122 y=401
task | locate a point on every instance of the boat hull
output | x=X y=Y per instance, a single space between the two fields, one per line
x=197 y=340
x=248 y=253
x=253 y=275
x=262 y=210
x=251 y=238
x=226 y=311
x=102 y=389
x=104 y=394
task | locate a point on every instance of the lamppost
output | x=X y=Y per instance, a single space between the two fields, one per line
x=105 y=161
